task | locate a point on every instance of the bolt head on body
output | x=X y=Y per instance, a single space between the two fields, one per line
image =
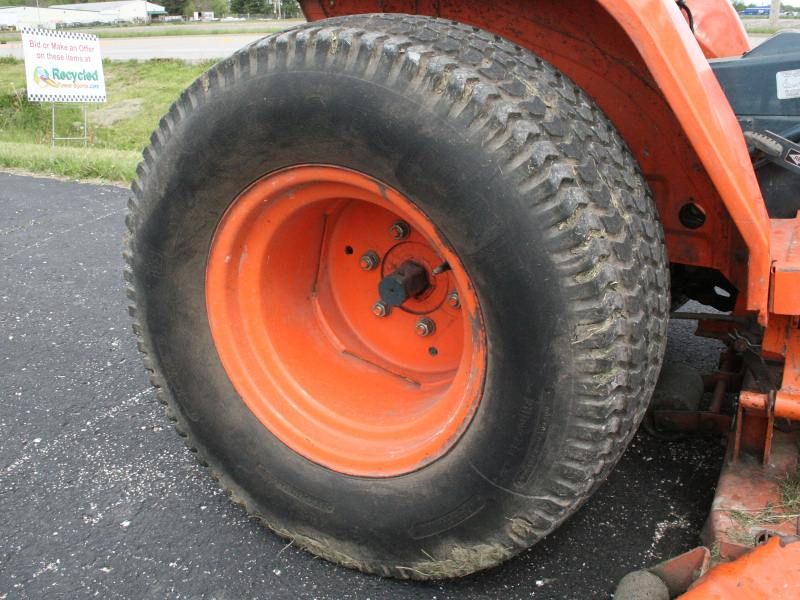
x=399 y=230
x=369 y=260
x=380 y=309
x=453 y=301
x=425 y=327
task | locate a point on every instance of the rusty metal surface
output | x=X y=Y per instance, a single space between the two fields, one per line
x=785 y=288
x=748 y=500
x=680 y=572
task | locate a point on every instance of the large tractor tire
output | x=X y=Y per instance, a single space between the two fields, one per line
x=402 y=288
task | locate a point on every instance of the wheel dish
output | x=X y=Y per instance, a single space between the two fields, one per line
x=292 y=285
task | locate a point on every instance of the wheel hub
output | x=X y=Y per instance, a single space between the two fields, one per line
x=409 y=280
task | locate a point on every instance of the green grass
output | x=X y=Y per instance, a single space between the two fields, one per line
x=790 y=492
x=77 y=163
x=139 y=93
x=762 y=30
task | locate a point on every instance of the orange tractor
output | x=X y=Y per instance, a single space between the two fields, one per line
x=403 y=274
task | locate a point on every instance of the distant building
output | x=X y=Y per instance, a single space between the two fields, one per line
x=65 y=15
x=755 y=11
x=204 y=15
x=120 y=11
x=18 y=17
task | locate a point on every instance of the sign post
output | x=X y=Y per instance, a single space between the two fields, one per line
x=63 y=67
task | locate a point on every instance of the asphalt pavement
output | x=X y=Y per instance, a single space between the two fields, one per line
x=100 y=498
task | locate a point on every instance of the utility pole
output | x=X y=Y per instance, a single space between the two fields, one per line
x=774 y=13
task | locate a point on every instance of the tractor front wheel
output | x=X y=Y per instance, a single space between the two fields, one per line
x=402 y=288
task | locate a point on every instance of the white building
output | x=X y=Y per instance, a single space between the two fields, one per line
x=18 y=17
x=121 y=11
x=60 y=15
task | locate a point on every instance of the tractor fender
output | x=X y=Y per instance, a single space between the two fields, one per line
x=646 y=69
x=686 y=80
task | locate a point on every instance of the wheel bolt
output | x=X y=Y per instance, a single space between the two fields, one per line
x=425 y=327
x=400 y=230
x=369 y=260
x=453 y=300
x=380 y=309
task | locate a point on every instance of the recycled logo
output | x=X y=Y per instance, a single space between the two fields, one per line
x=793 y=157
x=42 y=78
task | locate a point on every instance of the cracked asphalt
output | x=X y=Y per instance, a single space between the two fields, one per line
x=99 y=497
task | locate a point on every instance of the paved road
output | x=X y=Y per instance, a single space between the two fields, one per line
x=99 y=497
x=190 y=47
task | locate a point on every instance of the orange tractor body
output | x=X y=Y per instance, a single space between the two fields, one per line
x=650 y=73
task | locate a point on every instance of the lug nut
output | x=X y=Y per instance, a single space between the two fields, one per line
x=369 y=260
x=380 y=309
x=425 y=327
x=453 y=300
x=400 y=230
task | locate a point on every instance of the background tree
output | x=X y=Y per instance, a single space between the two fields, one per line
x=188 y=9
x=291 y=9
x=220 y=7
x=248 y=7
x=174 y=7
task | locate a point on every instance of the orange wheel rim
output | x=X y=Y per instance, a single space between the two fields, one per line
x=291 y=289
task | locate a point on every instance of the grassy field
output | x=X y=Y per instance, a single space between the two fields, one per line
x=138 y=94
x=759 y=26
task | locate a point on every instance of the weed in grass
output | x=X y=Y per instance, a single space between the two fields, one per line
x=790 y=492
x=749 y=522
x=715 y=554
x=77 y=163
x=762 y=30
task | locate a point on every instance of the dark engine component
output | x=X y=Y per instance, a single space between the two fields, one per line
x=763 y=87
x=707 y=286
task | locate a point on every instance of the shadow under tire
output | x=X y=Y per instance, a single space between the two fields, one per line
x=552 y=232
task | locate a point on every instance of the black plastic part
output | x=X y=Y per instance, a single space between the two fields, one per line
x=408 y=280
x=779 y=186
x=750 y=83
x=707 y=286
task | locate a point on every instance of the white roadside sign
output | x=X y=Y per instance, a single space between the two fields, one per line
x=63 y=66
